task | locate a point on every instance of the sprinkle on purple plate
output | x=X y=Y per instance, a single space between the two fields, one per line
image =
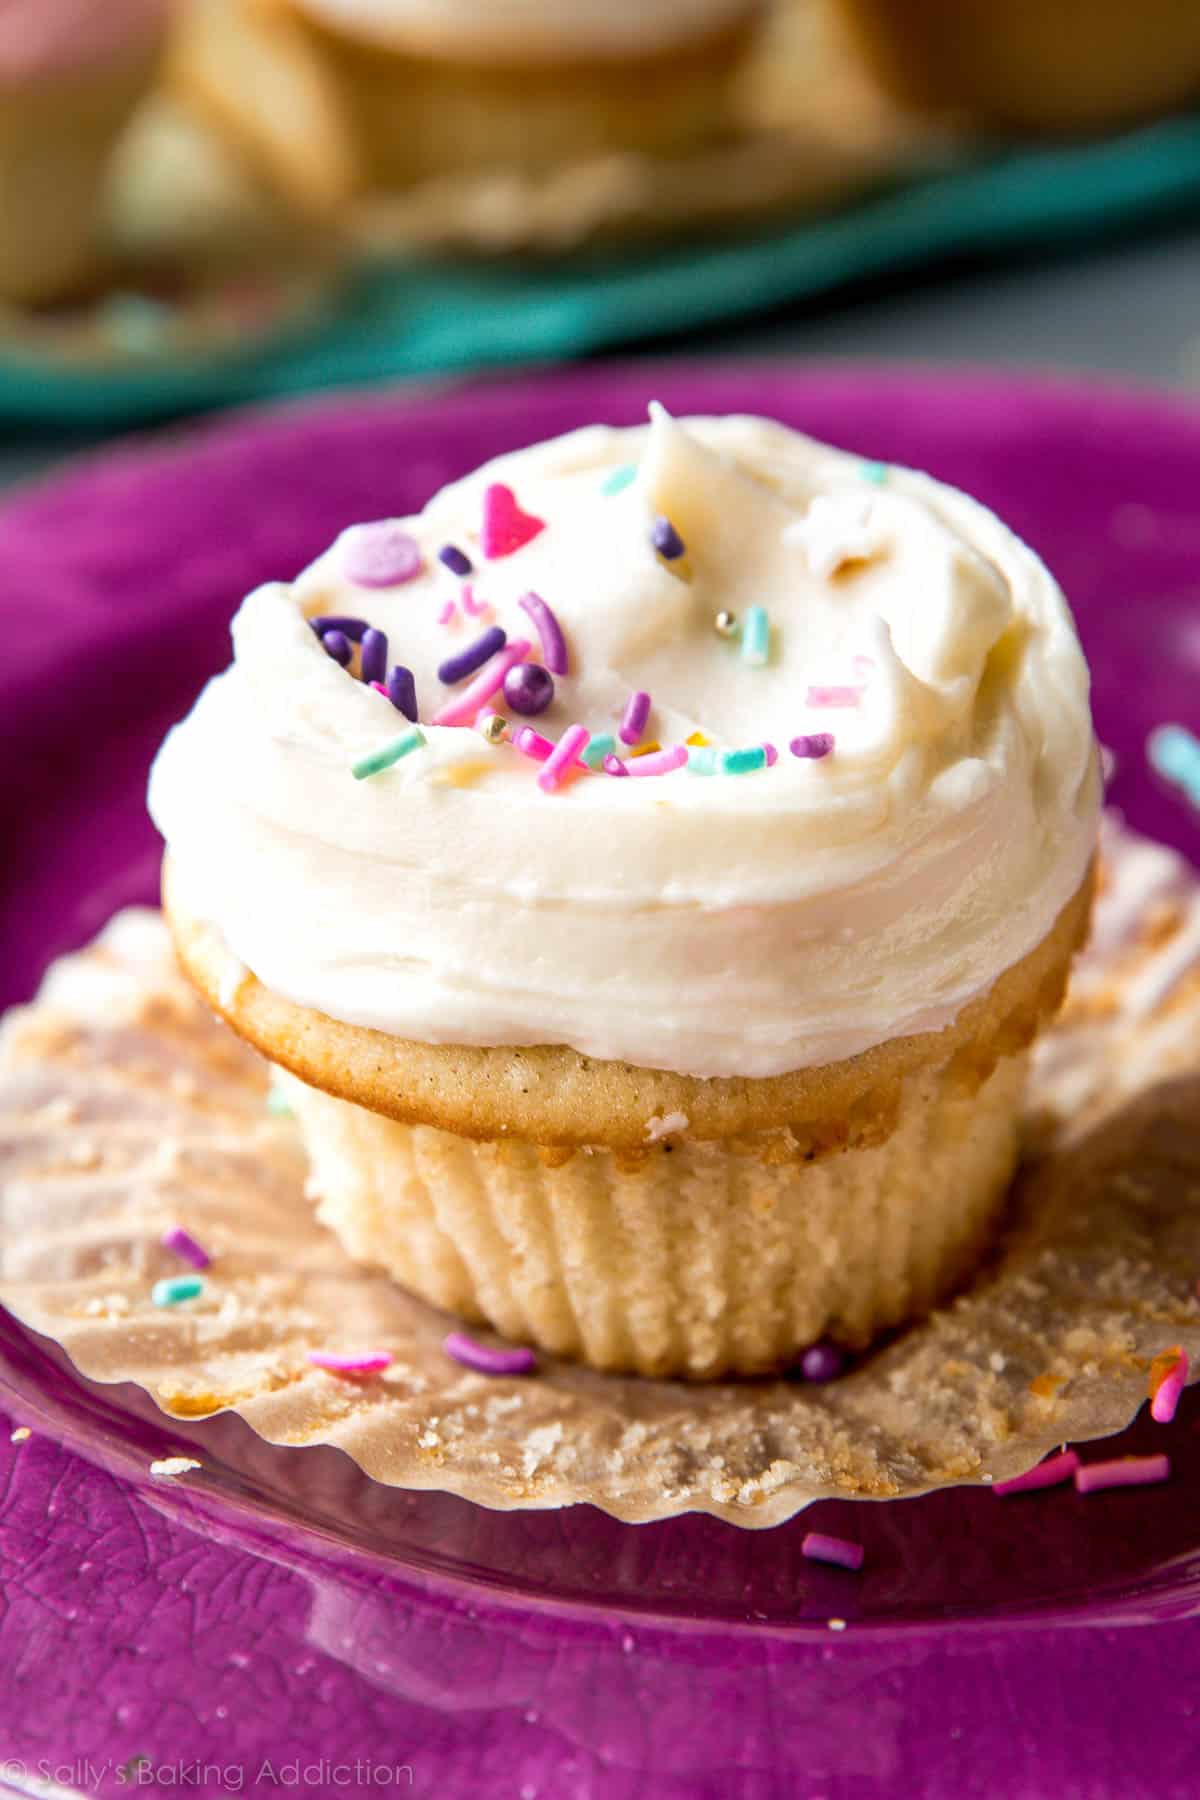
x=819 y=1546
x=487 y=1359
x=379 y=555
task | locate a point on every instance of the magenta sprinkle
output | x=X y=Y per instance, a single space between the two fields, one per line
x=476 y=608
x=350 y=1362
x=1125 y=1471
x=532 y=743
x=351 y=628
x=1051 y=1473
x=373 y=656
x=815 y=745
x=485 y=1359
x=772 y=755
x=818 y=1546
x=379 y=555
x=457 y=668
x=456 y=560
x=554 y=644
x=834 y=696
x=337 y=645
x=614 y=766
x=379 y=688
x=633 y=722
x=822 y=1362
x=505 y=527
x=447 y=613
x=402 y=692
x=666 y=540
x=183 y=1244
x=566 y=753
x=659 y=762
x=1166 y=1395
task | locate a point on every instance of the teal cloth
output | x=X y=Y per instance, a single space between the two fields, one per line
x=424 y=318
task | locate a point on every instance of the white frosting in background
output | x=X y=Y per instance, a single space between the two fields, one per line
x=724 y=925
x=511 y=30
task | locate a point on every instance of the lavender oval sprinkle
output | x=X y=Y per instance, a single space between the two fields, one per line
x=402 y=691
x=554 y=644
x=337 y=645
x=485 y=1358
x=381 y=554
x=666 y=540
x=817 y=744
x=183 y=1244
x=373 y=661
x=351 y=628
x=456 y=560
x=457 y=668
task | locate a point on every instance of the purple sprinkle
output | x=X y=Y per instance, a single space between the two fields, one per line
x=529 y=689
x=402 y=691
x=373 y=661
x=457 y=668
x=554 y=644
x=634 y=721
x=183 y=1244
x=666 y=540
x=456 y=560
x=350 y=1362
x=772 y=755
x=485 y=1358
x=614 y=766
x=822 y=1362
x=351 y=628
x=819 y=1546
x=818 y=744
x=337 y=645
x=379 y=555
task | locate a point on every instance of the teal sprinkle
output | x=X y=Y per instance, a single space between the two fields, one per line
x=874 y=472
x=598 y=748
x=756 y=637
x=743 y=762
x=176 y=1288
x=619 y=480
x=702 y=759
x=1175 y=753
x=391 y=753
x=277 y=1104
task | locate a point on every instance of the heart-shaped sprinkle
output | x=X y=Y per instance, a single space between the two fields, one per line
x=505 y=526
x=379 y=555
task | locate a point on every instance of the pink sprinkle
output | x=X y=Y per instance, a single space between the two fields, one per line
x=490 y=679
x=659 y=762
x=834 y=696
x=486 y=1358
x=863 y=665
x=471 y=605
x=447 y=613
x=819 y=1547
x=1126 y=1471
x=505 y=527
x=614 y=766
x=379 y=688
x=1050 y=1473
x=350 y=1362
x=1165 y=1397
x=183 y=1244
x=772 y=755
x=571 y=744
x=633 y=724
x=532 y=743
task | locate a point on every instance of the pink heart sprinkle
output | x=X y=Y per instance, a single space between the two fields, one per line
x=505 y=526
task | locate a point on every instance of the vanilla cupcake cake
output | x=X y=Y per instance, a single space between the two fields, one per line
x=651 y=865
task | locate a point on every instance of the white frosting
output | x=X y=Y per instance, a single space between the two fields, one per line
x=516 y=30
x=724 y=925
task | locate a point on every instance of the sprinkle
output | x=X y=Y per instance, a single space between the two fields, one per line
x=822 y=1362
x=337 y=645
x=567 y=751
x=1055 y=1470
x=862 y=666
x=619 y=480
x=457 y=668
x=402 y=692
x=448 y=612
x=554 y=645
x=614 y=766
x=487 y=1359
x=1126 y=1471
x=1175 y=754
x=182 y=1243
x=772 y=755
x=702 y=760
x=651 y=747
x=874 y=472
x=492 y=726
x=490 y=679
x=818 y=1546
x=666 y=540
x=277 y=1104
x=1168 y=1378
x=373 y=659
x=531 y=743
x=379 y=555
x=528 y=689
x=390 y=753
x=350 y=1362
x=598 y=748
x=174 y=1465
x=836 y=1624
x=697 y=740
x=660 y=762
x=726 y=624
x=743 y=762
x=21 y=1435
x=505 y=527
x=174 y=1288
x=756 y=637
x=814 y=746
x=633 y=722
x=456 y=560
x=833 y=696
x=476 y=608
x=351 y=628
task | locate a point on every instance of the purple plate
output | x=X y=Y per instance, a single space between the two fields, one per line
x=277 y=1607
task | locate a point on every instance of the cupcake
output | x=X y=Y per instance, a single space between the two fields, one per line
x=650 y=867
x=71 y=73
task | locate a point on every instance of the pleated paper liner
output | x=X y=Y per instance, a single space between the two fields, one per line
x=125 y=1108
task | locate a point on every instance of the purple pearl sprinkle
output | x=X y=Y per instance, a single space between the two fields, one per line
x=351 y=628
x=184 y=1245
x=819 y=743
x=337 y=645
x=374 y=656
x=666 y=540
x=457 y=668
x=486 y=1359
x=456 y=560
x=402 y=692
x=822 y=1362
x=379 y=555
x=529 y=689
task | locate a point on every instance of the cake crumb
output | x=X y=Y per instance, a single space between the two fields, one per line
x=174 y=1465
x=665 y=1125
x=20 y=1434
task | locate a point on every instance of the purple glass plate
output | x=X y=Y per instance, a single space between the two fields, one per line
x=277 y=1605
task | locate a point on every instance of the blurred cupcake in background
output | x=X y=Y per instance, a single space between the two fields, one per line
x=71 y=74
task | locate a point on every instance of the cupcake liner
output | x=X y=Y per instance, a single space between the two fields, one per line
x=125 y=1109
